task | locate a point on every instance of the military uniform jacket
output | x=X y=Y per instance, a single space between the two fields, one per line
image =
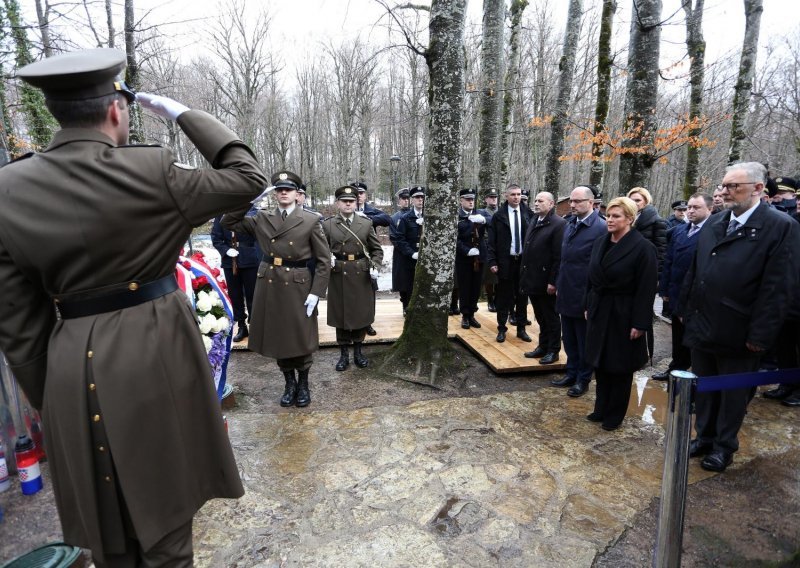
x=279 y=327
x=406 y=242
x=351 y=298
x=469 y=235
x=83 y=218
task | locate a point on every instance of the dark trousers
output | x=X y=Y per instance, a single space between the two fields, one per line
x=681 y=355
x=348 y=336
x=469 y=286
x=544 y=310
x=787 y=348
x=574 y=335
x=509 y=299
x=720 y=413
x=173 y=550
x=301 y=362
x=241 y=287
x=613 y=394
x=405 y=297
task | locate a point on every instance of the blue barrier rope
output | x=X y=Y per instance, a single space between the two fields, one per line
x=746 y=380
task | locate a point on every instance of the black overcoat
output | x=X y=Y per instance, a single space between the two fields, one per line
x=406 y=242
x=619 y=296
x=499 y=241
x=541 y=254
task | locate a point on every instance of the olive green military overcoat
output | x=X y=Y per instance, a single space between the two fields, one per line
x=351 y=300
x=279 y=327
x=127 y=397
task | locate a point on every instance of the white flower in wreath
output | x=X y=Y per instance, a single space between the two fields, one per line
x=207 y=323
x=204 y=302
x=221 y=325
x=207 y=343
x=215 y=299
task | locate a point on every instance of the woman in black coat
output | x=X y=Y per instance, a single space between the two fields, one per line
x=649 y=223
x=619 y=310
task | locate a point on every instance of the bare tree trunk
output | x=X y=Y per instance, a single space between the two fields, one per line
x=43 y=16
x=696 y=48
x=512 y=75
x=423 y=347
x=567 y=68
x=747 y=67
x=492 y=71
x=641 y=95
x=605 y=60
x=132 y=73
x=109 y=23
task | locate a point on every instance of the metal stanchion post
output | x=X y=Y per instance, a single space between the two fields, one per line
x=676 y=471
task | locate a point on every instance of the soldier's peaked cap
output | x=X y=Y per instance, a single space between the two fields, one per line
x=417 y=190
x=680 y=204
x=287 y=179
x=346 y=192
x=403 y=193
x=467 y=192
x=79 y=75
x=359 y=185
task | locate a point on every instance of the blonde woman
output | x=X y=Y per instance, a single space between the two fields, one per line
x=648 y=222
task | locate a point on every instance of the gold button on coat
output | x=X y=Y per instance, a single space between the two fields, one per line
x=96 y=418
x=133 y=286
x=92 y=386
x=90 y=354
x=101 y=448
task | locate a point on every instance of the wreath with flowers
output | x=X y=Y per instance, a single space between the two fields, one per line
x=208 y=295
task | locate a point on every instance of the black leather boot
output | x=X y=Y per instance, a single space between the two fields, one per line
x=344 y=359
x=241 y=333
x=358 y=356
x=290 y=393
x=303 y=394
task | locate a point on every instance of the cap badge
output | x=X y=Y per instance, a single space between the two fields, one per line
x=283 y=176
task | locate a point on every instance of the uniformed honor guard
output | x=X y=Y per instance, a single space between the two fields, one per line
x=300 y=200
x=409 y=230
x=403 y=197
x=284 y=321
x=470 y=257
x=378 y=218
x=135 y=438
x=355 y=252
x=489 y=277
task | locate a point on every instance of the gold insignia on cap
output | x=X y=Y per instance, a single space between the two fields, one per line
x=778 y=180
x=348 y=190
x=283 y=176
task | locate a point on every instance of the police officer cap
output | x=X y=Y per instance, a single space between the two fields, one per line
x=285 y=178
x=771 y=188
x=346 y=192
x=359 y=185
x=403 y=193
x=525 y=194
x=468 y=193
x=301 y=188
x=680 y=204
x=417 y=190
x=786 y=184
x=492 y=192
x=79 y=75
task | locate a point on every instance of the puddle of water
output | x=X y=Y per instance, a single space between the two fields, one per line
x=648 y=401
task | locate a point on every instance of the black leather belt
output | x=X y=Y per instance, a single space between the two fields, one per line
x=349 y=256
x=516 y=257
x=277 y=261
x=135 y=294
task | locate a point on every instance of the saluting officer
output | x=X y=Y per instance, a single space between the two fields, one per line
x=409 y=230
x=351 y=300
x=135 y=438
x=284 y=321
x=470 y=257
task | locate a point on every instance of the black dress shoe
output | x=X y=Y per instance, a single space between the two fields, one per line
x=491 y=307
x=454 y=311
x=464 y=323
x=474 y=323
x=523 y=335
x=793 y=400
x=512 y=320
x=536 y=353
x=698 y=448
x=501 y=336
x=717 y=460
x=663 y=376
x=549 y=359
x=565 y=382
x=371 y=331
x=610 y=426
x=528 y=322
x=779 y=393
x=578 y=389
x=594 y=417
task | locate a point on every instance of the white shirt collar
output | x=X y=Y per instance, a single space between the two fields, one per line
x=746 y=215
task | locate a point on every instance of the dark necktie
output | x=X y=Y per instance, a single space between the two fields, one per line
x=516 y=232
x=347 y=222
x=283 y=214
x=693 y=229
x=573 y=229
x=732 y=226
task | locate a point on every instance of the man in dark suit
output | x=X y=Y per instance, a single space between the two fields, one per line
x=90 y=228
x=541 y=257
x=583 y=227
x=506 y=230
x=470 y=256
x=240 y=258
x=677 y=260
x=734 y=301
x=406 y=242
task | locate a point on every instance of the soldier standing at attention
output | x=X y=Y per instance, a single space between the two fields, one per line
x=403 y=198
x=489 y=277
x=470 y=256
x=351 y=299
x=92 y=227
x=286 y=289
x=406 y=241
x=378 y=218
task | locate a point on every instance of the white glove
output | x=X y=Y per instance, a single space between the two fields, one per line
x=419 y=221
x=258 y=200
x=477 y=219
x=473 y=252
x=162 y=106
x=333 y=261
x=373 y=272
x=232 y=252
x=361 y=214
x=415 y=256
x=310 y=304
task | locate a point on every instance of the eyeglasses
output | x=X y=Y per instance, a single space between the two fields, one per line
x=579 y=200
x=735 y=186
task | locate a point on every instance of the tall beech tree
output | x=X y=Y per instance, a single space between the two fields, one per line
x=744 y=84
x=696 y=49
x=511 y=86
x=605 y=61
x=491 y=94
